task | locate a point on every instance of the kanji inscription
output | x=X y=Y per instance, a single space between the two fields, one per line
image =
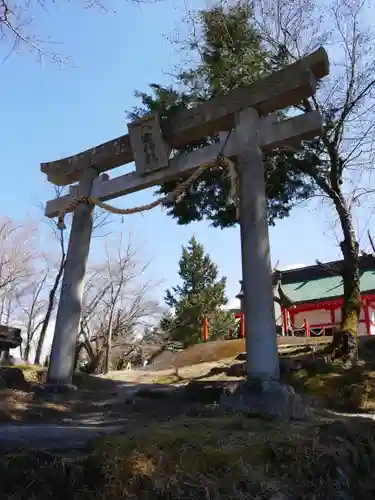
x=149 y=148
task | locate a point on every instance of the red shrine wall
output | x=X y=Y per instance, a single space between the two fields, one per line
x=313 y=317
x=327 y=314
x=371 y=311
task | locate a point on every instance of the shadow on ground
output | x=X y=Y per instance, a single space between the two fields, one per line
x=106 y=401
x=97 y=401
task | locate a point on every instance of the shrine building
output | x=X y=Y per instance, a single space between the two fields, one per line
x=308 y=300
x=317 y=296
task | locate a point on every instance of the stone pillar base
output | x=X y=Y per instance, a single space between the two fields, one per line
x=266 y=399
x=53 y=392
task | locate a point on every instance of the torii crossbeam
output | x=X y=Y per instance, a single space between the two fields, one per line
x=247 y=111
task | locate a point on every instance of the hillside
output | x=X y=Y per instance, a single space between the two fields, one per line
x=212 y=351
x=174 y=442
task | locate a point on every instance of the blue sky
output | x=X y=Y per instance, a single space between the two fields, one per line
x=49 y=112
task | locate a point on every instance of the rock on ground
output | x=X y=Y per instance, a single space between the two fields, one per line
x=269 y=399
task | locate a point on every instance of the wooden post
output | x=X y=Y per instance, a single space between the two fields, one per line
x=259 y=312
x=285 y=321
x=205 y=329
x=242 y=326
x=306 y=327
x=367 y=317
x=68 y=318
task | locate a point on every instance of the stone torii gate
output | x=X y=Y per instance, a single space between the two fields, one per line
x=249 y=113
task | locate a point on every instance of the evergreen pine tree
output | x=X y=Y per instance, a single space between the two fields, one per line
x=231 y=55
x=200 y=294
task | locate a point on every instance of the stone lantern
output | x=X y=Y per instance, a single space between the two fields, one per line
x=10 y=338
x=240 y=296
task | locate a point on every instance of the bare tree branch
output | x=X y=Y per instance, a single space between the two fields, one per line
x=16 y=27
x=116 y=307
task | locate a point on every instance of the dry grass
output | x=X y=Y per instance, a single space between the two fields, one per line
x=340 y=389
x=218 y=350
x=224 y=457
x=166 y=457
x=19 y=403
x=19 y=406
x=349 y=390
x=32 y=373
x=203 y=353
x=203 y=371
x=343 y=390
x=232 y=457
x=190 y=458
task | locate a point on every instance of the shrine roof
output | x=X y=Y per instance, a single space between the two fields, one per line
x=318 y=282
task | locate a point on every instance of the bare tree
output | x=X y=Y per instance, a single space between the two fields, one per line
x=17 y=251
x=24 y=274
x=101 y=221
x=50 y=303
x=16 y=19
x=31 y=304
x=17 y=265
x=116 y=307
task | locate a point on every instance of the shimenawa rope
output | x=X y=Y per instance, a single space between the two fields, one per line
x=177 y=193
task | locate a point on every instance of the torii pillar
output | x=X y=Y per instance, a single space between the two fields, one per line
x=61 y=363
x=258 y=306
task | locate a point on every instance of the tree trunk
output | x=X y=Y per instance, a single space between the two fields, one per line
x=94 y=363
x=26 y=352
x=108 y=346
x=79 y=348
x=95 y=358
x=51 y=303
x=344 y=344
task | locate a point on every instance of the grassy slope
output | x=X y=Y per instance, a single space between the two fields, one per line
x=209 y=352
x=205 y=458
x=218 y=457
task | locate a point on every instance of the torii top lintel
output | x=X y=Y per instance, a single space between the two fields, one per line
x=276 y=91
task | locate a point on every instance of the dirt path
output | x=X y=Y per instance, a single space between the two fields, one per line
x=150 y=375
x=51 y=437
x=70 y=430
